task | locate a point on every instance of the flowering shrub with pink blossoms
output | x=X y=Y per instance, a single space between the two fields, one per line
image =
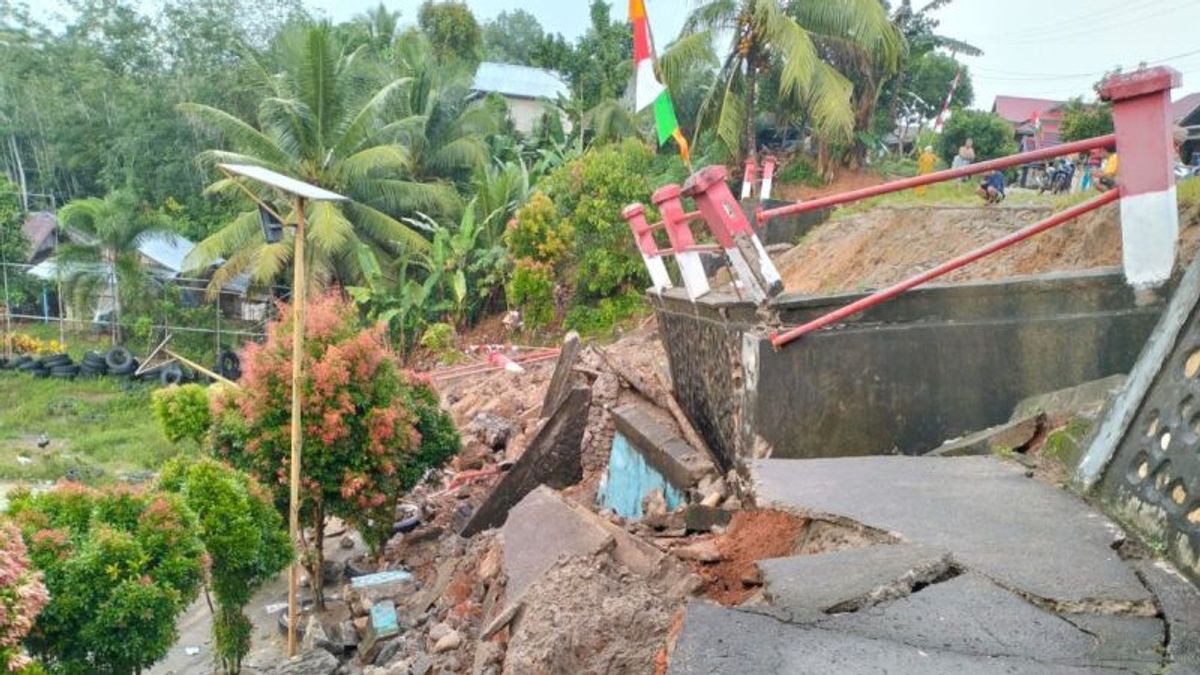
x=22 y=597
x=363 y=419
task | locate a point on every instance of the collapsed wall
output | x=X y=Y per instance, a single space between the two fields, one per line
x=934 y=364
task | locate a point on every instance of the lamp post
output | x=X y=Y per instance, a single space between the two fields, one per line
x=300 y=193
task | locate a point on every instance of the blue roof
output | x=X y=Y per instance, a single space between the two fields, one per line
x=168 y=250
x=519 y=81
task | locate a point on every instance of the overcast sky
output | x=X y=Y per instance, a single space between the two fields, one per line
x=1041 y=48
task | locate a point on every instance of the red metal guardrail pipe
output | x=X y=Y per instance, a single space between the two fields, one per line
x=879 y=297
x=939 y=176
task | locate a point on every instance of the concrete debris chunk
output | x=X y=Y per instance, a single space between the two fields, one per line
x=491 y=429
x=702 y=551
x=564 y=377
x=552 y=458
x=449 y=642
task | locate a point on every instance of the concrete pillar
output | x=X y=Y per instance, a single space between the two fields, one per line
x=768 y=178
x=679 y=232
x=1149 y=213
x=732 y=230
x=748 y=178
x=643 y=234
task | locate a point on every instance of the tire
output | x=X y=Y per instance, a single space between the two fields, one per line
x=118 y=357
x=126 y=371
x=40 y=372
x=29 y=365
x=170 y=374
x=71 y=370
x=88 y=371
x=94 y=360
x=55 y=360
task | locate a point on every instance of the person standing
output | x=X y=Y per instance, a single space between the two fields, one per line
x=965 y=156
x=925 y=164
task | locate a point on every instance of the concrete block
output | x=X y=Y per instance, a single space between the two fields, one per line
x=701 y=518
x=552 y=458
x=808 y=586
x=540 y=530
x=1006 y=437
x=382 y=624
x=1086 y=399
x=681 y=464
x=564 y=377
x=1180 y=603
x=380 y=586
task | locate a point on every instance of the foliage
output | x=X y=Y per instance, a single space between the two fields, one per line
x=770 y=37
x=440 y=440
x=22 y=343
x=452 y=30
x=120 y=566
x=438 y=339
x=362 y=446
x=601 y=64
x=1082 y=120
x=540 y=243
x=532 y=290
x=22 y=597
x=589 y=194
x=800 y=171
x=600 y=317
x=929 y=77
x=321 y=119
x=182 y=412
x=14 y=245
x=244 y=537
x=117 y=226
x=512 y=37
x=992 y=135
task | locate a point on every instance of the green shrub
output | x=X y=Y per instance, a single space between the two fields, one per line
x=120 y=565
x=182 y=412
x=532 y=290
x=244 y=537
x=537 y=232
x=439 y=438
x=590 y=194
x=601 y=316
x=801 y=171
x=992 y=134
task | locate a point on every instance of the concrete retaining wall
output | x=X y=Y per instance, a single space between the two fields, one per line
x=934 y=364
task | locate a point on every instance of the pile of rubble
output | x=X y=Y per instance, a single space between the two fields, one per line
x=509 y=562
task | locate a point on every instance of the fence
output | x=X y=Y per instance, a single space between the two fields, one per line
x=200 y=324
x=1145 y=190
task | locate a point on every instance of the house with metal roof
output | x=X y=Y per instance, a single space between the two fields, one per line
x=1035 y=120
x=525 y=89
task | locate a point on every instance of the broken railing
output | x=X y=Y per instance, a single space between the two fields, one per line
x=1146 y=192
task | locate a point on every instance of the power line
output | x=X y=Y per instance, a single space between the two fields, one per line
x=1075 y=22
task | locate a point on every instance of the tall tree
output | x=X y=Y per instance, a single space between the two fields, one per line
x=105 y=255
x=453 y=31
x=512 y=37
x=602 y=63
x=773 y=35
x=322 y=123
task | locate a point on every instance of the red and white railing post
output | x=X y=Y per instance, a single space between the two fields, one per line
x=749 y=177
x=768 y=178
x=1149 y=212
x=733 y=233
x=643 y=233
x=679 y=231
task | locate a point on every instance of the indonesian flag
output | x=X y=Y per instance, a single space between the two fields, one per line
x=648 y=90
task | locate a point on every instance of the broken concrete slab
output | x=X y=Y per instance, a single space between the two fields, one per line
x=1012 y=436
x=552 y=458
x=807 y=587
x=315 y=662
x=718 y=640
x=1180 y=604
x=541 y=529
x=1087 y=399
x=681 y=464
x=564 y=377
x=1131 y=642
x=982 y=509
x=970 y=615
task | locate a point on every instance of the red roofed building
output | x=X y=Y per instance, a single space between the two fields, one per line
x=1025 y=114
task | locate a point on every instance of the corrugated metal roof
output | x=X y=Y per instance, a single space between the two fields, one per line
x=1185 y=106
x=167 y=250
x=519 y=81
x=1018 y=109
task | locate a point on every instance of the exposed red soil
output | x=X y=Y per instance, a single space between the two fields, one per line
x=843 y=182
x=752 y=536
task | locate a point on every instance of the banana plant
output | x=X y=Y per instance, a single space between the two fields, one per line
x=404 y=304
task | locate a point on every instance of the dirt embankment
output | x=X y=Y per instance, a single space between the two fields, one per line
x=886 y=245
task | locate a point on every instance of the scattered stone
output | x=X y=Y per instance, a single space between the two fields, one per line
x=705 y=551
x=703 y=518
x=315 y=662
x=439 y=631
x=732 y=504
x=347 y=542
x=421 y=665
x=449 y=642
x=503 y=619
x=315 y=635
x=387 y=652
x=489 y=566
x=334 y=571
x=654 y=504
x=347 y=632
x=713 y=487
x=712 y=500
x=491 y=429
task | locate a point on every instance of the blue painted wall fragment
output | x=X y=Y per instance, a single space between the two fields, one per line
x=629 y=478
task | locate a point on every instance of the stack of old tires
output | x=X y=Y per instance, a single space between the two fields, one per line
x=116 y=362
x=120 y=362
x=50 y=365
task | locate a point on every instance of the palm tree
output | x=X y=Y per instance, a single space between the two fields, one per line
x=323 y=122
x=104 y=254
x=784 y=38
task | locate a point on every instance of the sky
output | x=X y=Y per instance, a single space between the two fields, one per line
x=1040 y=48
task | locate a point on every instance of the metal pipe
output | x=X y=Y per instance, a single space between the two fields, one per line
x=937 y=177
x=780 y=339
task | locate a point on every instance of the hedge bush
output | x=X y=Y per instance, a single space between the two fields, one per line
x=182 y=412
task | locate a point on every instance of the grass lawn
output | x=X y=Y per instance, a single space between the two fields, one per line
x=99 y=429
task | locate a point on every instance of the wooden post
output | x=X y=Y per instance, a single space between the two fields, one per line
x=298 y=288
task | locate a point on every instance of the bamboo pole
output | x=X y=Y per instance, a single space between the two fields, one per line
x=298 y=288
